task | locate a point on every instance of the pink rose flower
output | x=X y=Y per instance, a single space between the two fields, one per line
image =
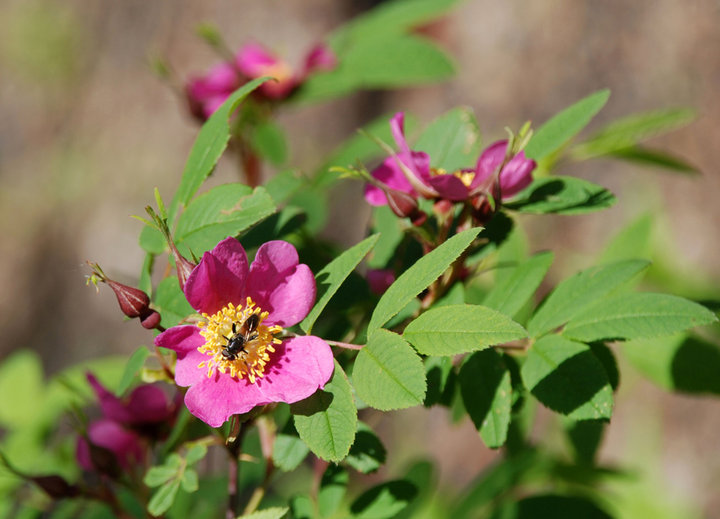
x=409 y=171
x=205 y=94
x=235 y=358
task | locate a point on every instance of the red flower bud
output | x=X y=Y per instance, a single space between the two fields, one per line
x=183 y=266
x=133 y=301
x=402 y=204
x=150 y=320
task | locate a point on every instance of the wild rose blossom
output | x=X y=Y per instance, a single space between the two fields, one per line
x=205 y=94
x=235 y=359
x=414 y=176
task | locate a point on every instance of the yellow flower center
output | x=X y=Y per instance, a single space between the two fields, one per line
x=466 y=177
x=237 y=342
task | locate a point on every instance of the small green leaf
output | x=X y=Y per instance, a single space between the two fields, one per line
x=159 y=475
x=367 y=453
x=333 y=486
x=566 y=377
x=282 y=185
x=327 y=420
x=629 y=131
x=269 y=141
x=510 y=294
x=330 y=278
x=303 y=507
x=163 y=499
x=223 y=211
x=171 y=302
x=189 y=481
x=415 y=279
x=585 y=438
x=637 y=316
x=487 y=394
x=454 y=329
x=655 y=159
x=441 y=380
x=275 y=512
x=388 y=374
x=576 y=293
x=562 y=195
x=288 y=452
x=565 y=125
x=195 y=453
x=384 y=501
x=452 y=140
x=552 y=507
x=136 y=361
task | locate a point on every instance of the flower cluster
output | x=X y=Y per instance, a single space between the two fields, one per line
x=236 y=357
x=206 y=93
x=409 y=172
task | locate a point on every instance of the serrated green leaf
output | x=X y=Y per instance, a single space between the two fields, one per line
x=655 y=159
x=566 y=377
x=441 y=380
x=637 y=316
x=195 y=453
x=276 y=512
x=333 y=486
x=223 y=211
x=327 y=420
x=585 y=438
x=576 y=293
x=189 y=480
x=562 y=195
x=454 y=329
x=136 y=361
x=163 y=498
x=510 y=294
x=681 y=363
x=330 y=278
x=452 y=140
x=367 y=453
x=415 y=279
x=288 y=452
x=487 y=394
x=388 y=374
x=565 y=125
x=170 y=301
x=629 y=131
x=384 y=501
x=268 y=139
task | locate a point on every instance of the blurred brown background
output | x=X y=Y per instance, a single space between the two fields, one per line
x=87 y=132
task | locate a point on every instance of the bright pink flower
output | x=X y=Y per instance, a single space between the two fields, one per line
x=409 y=171
x=126 y=446
x=321 y=57
x=380 y=280
x=205 y=94
x=235 y=359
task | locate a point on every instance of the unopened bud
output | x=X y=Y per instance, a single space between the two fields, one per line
x=419 y=218
x=151 y=320
x=183 y=265
x=133 y=301
x=55 y=486
x=402 y=204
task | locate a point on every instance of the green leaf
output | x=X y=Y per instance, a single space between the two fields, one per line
x=510 y=294
x=276 y=512
x=677 y=363
x=223 y=211
x=637 y=316
x=454 y=329
x=551 y=507
x=195 y=453
x=163 y=499
x=189 y=481
x=330 y=278
x=269 y=141
x=327 y=420
x=562 y=195
x=576 y=293
x=283 y=185
x=633 y=241
x=566 y=377
x=333 y=486
x=303 y=507
x=21 y=376
x=487 y=394
x=170 y=301
x=585 y=438
x=367 y=453
x=565 y=125
x=136 y=361
x=159 y=475
x=415 y=279
x=384 y=501
x=655 y=159
x=629 y=131
x=288 y=452
x=452 y=140
x=440 y=381
x=388 y=374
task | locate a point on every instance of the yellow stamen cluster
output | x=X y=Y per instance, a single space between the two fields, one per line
x=217 y=329
x=466 y=177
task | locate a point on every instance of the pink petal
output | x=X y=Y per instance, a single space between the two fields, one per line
x=299 y=367
x=489 y=161
x=187 y=372
x=397 y=128
x=449 y=187
x=214 y=400
x=219 y=279
x=182 y=339
x=388 y=173
x=126 y=445
x=320 y=57
x=148 y=404
x=112 y=407
x=516 y=175
x=253 y=59
x=279 y=285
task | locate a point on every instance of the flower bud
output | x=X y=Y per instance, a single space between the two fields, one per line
x=151 y=320
x=402 y=204
x=183 y=265
x=55 y=486
x=133 y=301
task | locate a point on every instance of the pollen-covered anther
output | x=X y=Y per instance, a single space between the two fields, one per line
x=237 y=342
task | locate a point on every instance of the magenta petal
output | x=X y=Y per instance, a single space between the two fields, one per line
x=148 y=404
x=397 y=128
x=126 y=446
x=320 y=57
x=253 y=60
x=112 y=407
x=388 y=173
x=489 y=161
x=449 y=187
x=187 y=371
x=214 y=400
x=516 y=175
x=219 y=279
x=303 y=365
x=279 y=285
x=181 y=338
